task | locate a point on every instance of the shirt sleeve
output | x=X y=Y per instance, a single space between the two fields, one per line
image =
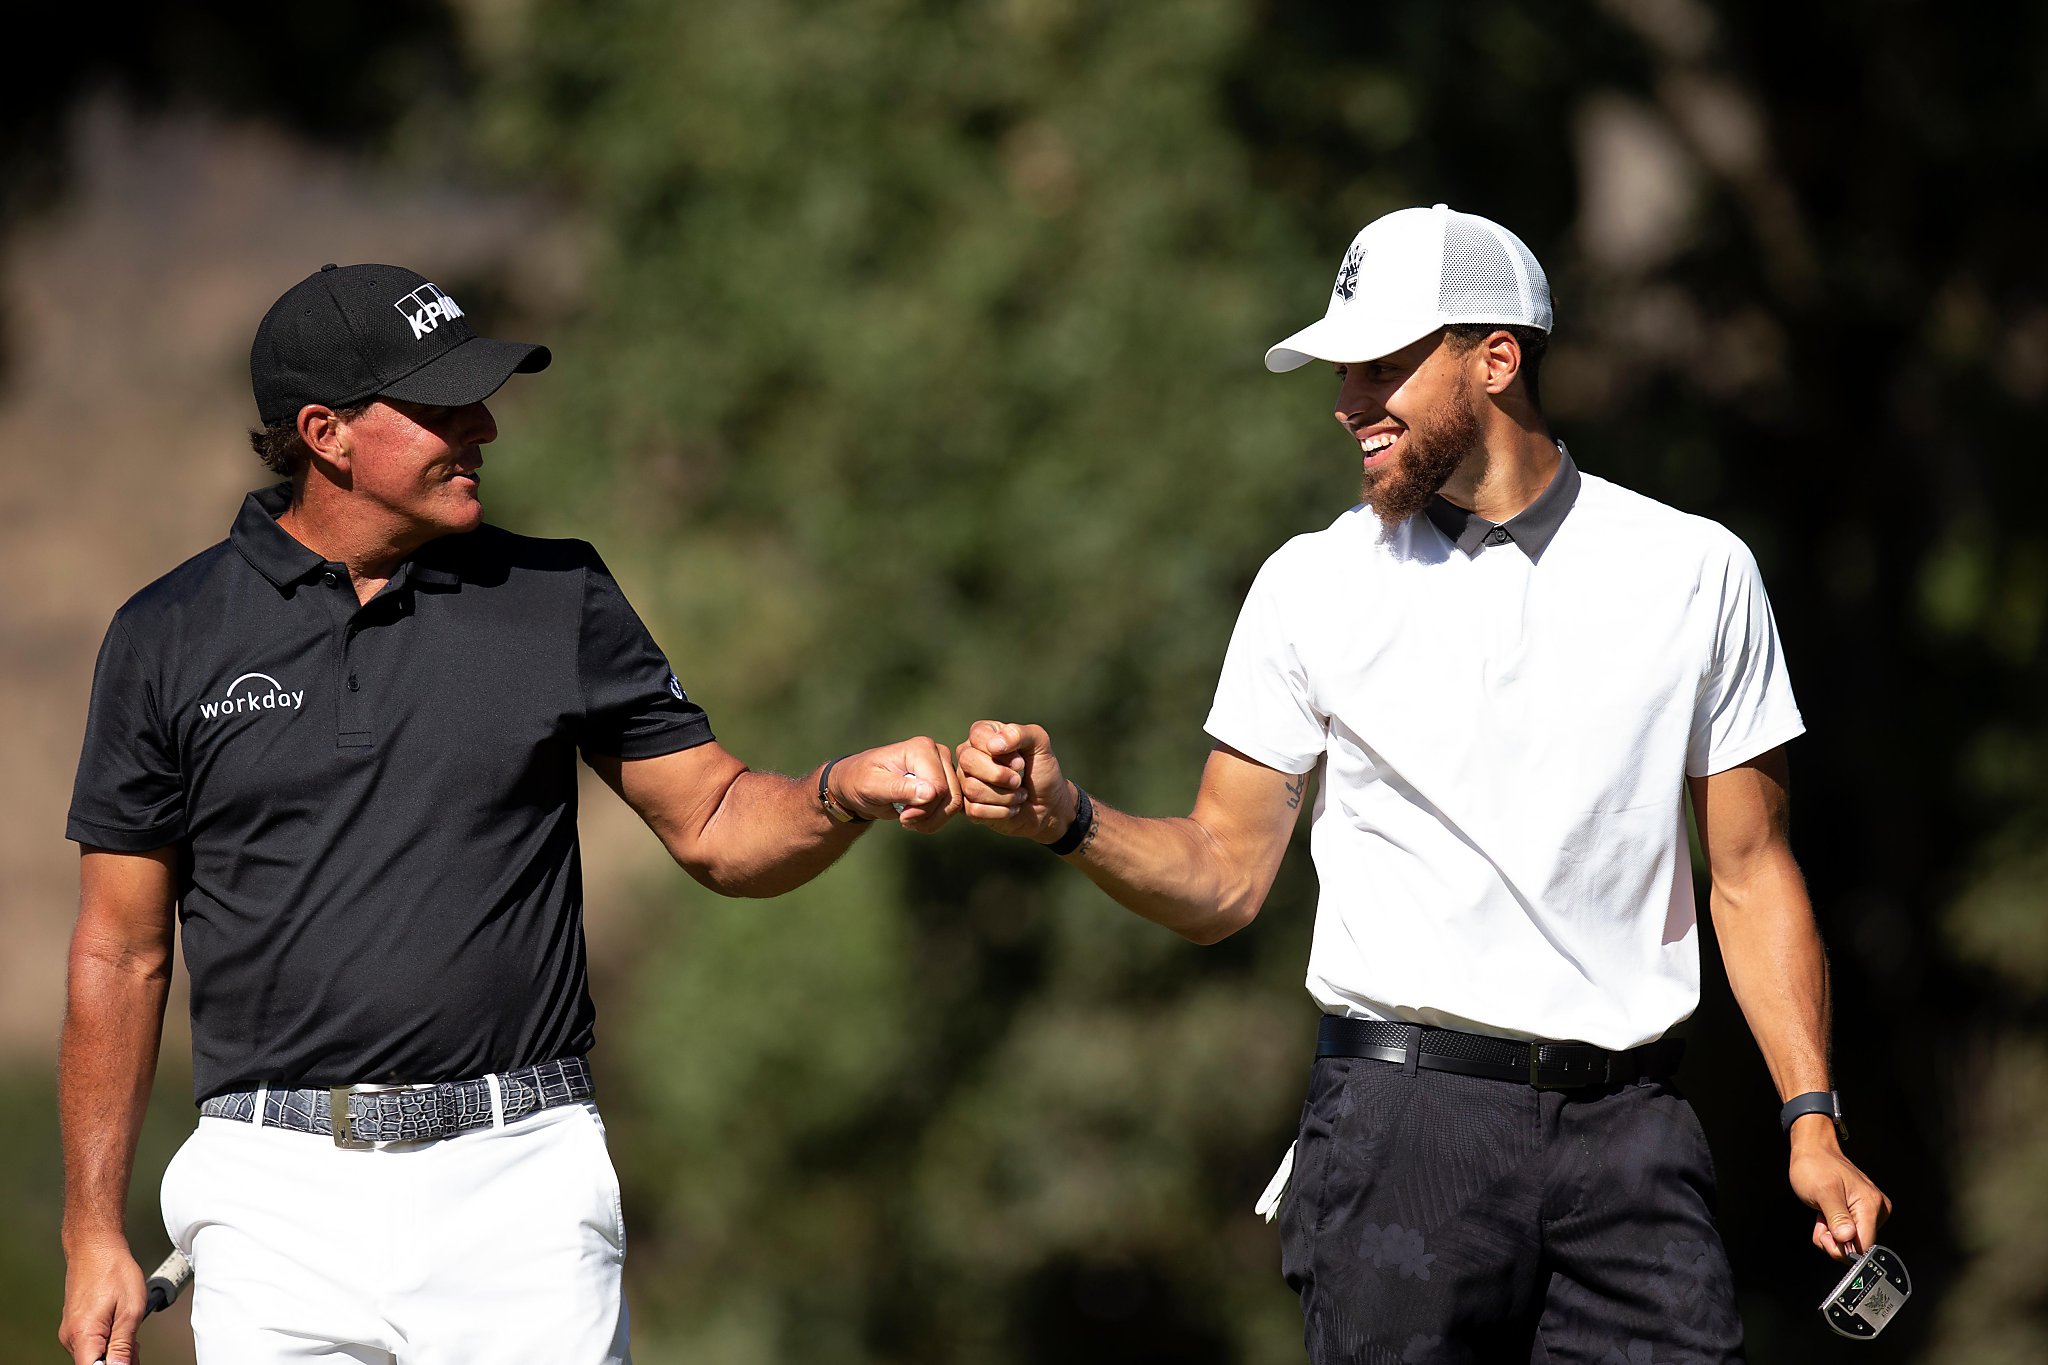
x=1264 y=706
x=1745 y=704
x=129 y=795
x=634 y=705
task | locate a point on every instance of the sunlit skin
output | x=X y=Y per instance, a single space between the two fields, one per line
x=387 y=481
x=1401 y=394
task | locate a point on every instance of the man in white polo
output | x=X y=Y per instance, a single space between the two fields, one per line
x=1507 y=676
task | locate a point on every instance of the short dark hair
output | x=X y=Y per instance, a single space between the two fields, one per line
x=1534 y=342
x=279 y=447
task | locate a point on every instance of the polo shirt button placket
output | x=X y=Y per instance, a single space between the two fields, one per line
x=354 y=731
x=1501 y=602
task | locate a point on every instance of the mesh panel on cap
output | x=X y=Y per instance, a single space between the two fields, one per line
x=1489 y=277
x=1537 y=283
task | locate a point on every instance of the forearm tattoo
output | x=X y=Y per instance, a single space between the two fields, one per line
x=1094 y=828
x=1294 y=791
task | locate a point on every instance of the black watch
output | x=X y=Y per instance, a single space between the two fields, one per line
x=1814 y=1102
x=840 y=815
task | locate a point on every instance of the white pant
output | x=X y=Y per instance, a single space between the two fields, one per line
x=500 y=1245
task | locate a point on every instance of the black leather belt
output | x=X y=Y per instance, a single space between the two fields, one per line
x=1546 y=1066
x=363 y=1115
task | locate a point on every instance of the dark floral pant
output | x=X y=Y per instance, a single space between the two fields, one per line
x=1437 y=1218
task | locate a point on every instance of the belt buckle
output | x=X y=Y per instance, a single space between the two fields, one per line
x=1597 y=1074
x=342 y=1124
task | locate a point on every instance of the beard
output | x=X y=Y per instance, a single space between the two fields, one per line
x=1432 y=453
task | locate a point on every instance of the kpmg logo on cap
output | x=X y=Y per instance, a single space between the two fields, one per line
x=1347 y=273
x=427 y=308
x=244 y=697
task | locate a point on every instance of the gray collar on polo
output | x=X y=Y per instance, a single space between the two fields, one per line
x=1531 y=529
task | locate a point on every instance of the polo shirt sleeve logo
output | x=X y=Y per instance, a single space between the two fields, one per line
x=426 y=308
x=675 y=688
x=250 y=693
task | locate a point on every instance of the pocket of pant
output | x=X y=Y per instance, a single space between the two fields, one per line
x=609 y=1214
x=171 y=1198
x=1699 y=1139
x=1302 y=1188
x=1302 y=1210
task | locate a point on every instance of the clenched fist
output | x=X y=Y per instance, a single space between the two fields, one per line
x=1011 y=781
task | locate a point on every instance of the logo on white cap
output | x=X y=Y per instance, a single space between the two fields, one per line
x=426 y=308
x=1347 y=273
x=1413 y=271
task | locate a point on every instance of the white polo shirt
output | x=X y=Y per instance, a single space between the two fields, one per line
x=1503 y=733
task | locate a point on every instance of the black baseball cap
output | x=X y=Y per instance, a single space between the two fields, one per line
x=350 y=332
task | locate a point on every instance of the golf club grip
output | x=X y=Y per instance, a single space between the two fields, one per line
x=167 y=1282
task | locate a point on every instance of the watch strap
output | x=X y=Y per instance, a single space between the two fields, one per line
x=1078 y=827
x=1813 y=1102
x=839 y=814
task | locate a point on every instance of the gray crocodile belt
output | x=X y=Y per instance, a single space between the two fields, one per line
x=363 y=1115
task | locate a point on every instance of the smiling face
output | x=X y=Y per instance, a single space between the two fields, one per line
x=1415 y=417
x=419 y=467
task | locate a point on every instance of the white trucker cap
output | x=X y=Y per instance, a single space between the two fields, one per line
x=1414 y=271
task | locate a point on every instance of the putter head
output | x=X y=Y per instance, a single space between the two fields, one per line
x=1869 y=1295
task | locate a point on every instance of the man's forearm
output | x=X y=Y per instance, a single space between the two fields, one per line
x=1203 y=875
x=1778 y=970
x=744 y=833
x=769 y=835
x=1779 y=974
x=1170 y=871
x=113 y=1025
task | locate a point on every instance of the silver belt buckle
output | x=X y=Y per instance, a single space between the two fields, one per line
x=339 y=1121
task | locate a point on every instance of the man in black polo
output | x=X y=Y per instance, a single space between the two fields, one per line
x=342 y=746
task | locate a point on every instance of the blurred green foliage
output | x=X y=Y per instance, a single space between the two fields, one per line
x=915 y=367
x=918 y=379
x=32 y=1194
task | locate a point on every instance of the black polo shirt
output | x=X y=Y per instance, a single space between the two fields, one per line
x=375 y=805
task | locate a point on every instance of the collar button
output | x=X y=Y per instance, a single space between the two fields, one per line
x=331 y=579
x=1498 y=536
